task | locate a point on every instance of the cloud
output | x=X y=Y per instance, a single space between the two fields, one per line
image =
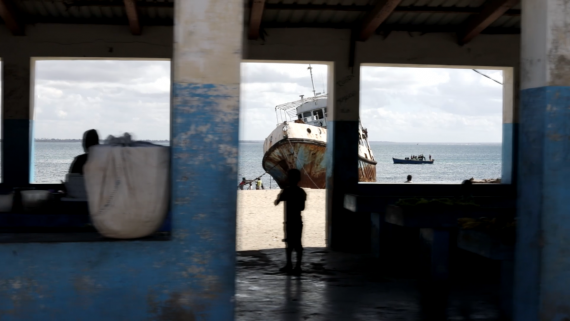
x=101 y=71
x=112 y=96
x=431 y=104
x=265 y=86
x=397 y=104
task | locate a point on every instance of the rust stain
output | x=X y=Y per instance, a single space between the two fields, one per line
x=366 y=171
x=175 y=308
x=85 y=284
x=560 y=70
x=555 y=137
x=308 y=157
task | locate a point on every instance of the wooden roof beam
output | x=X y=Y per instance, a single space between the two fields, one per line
x=133 y=16
x=8 y=14
x=355 y=8
x=256 y=13
x=490 y=12
x=376 y=17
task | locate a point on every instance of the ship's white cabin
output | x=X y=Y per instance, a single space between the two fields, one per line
x=313 y=112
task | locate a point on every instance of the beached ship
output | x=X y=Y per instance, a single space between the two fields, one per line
x=300 y=142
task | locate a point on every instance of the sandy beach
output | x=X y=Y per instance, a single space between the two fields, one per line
x=260 y=223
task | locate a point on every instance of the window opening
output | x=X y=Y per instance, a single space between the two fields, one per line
x=70 y=98
x=452 y=116
x=273 y=93
x=111 y=96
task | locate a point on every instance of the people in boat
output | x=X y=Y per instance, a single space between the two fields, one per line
x=90 y=138
x=294 y=198
x=409 y=179
x=259 y=183
x=430 y=158
x=242 y=183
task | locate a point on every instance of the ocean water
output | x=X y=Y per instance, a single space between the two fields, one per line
x=53 y=159
x=453 y=162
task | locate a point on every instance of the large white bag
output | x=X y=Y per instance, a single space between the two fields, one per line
x=128 y=188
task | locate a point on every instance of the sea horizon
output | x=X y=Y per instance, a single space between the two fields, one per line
x=454 y=162
x=391 y=142
x=48 y=140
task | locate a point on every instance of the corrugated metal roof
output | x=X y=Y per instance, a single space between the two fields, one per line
x=93 y=11
x=411 y=14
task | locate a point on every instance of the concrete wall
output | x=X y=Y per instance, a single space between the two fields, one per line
x=188 y=277
x=191 y=276
x=542 y=289
x=57 y=41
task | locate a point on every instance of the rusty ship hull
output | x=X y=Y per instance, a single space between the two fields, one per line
x=366 y=170
x=306 y=155
x=302 y=146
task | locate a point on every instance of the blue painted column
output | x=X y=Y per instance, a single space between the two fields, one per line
x=205 y=111
x=511 y=88
x=17 y=120
x=542 y=265
x=346 y=231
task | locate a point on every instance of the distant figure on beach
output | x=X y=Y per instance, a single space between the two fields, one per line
x=409 y=179
x=466 y=189
x=242 y=183
x=259 y=184
x=90 y=138
x=294 y=198
x=249 y=187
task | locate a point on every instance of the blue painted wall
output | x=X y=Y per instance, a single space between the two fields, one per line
x=346 y=231
x=542 y=275
x=509 y=153
x=17 y=151
x=190 y=277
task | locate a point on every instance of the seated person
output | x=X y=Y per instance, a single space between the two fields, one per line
x=90 y=138
x=74 y=181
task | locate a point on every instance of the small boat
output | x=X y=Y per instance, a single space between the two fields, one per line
x=412 y=161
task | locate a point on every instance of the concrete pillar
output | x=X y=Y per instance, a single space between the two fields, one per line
x=346 y=231
x=205 y=111
x=17 y=120
x=511 y=88
x=542 y=271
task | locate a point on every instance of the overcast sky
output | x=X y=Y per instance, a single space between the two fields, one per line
x=397 y=104
x=111 y=96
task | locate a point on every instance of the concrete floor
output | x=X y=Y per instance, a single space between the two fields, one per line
x=336 y=286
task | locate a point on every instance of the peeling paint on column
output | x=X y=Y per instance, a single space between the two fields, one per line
x=542 y=268
x=204 y=146
x=204 y=168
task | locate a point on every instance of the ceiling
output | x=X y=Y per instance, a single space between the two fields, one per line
x=467 y=18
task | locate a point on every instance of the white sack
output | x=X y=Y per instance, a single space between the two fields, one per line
x=128 y=189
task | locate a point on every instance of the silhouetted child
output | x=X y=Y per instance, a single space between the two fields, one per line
x=294 y=198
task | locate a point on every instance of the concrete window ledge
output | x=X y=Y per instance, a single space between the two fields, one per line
x=72 y=236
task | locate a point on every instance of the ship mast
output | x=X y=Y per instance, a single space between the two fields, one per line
x=312 y=82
